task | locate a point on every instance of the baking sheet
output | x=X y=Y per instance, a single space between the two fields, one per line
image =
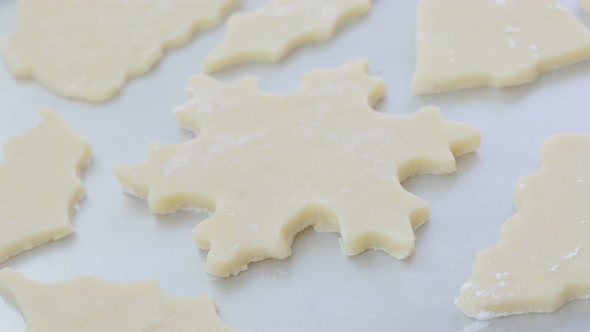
x=318 y=288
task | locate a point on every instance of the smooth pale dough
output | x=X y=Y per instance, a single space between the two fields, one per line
x=466 y=43
x=272 y=165
x=270 y=33
x=542 y=258
x=585 y=5
x=90 y=304
x=39 y=185
x=88 y=49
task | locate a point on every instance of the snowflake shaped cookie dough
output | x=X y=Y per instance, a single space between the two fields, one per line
x=90 y=304
x=88 y=49
x=542 y=259
x=270 y=33
x=271 y=165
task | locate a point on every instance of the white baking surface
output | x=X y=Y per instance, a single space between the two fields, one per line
x=318 y=288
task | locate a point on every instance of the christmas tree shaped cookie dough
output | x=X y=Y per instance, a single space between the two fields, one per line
x=271 y=165
x=270 y=33
x=465 y=43
x=542 y=258
x=88 y=49
x=39 y=185
x=90 y=304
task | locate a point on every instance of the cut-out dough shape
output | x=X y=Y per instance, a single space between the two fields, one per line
x=270 y=33
x=272 y=165
x=90 y=304
x=88 y=49
x=466 y=43
x=39 y=185
x=585 y=5
x=542 y=259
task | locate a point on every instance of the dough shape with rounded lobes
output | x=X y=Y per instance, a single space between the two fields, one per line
x=542 y=259
x=270 y=33
x=88 y=49
x=271 y=165
x=39 y=185
x=90 y=304
x=500 y=43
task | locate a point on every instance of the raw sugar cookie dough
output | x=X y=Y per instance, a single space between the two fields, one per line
x=586 y=5
x=39 y=185
x=88 y=49
x=90 y=304
x=270 y=33
x=466 y=43
x=542 y=259
x=271 y=165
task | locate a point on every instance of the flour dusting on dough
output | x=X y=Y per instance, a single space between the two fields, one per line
x=272 y=165
x=539 y=262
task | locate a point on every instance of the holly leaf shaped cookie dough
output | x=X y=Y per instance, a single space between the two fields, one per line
x=272 y=165
x=542 y=258
x=39 y=185
x=90 y=304
x=88 y=49
x=270 y=33
x=465 y=43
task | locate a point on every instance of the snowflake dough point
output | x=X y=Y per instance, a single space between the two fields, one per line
x=542 y=259
x=271 y=165
x=39 y=185
x=90 y=304
x=88 y=49
x=465 y=43
x=270 y=33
